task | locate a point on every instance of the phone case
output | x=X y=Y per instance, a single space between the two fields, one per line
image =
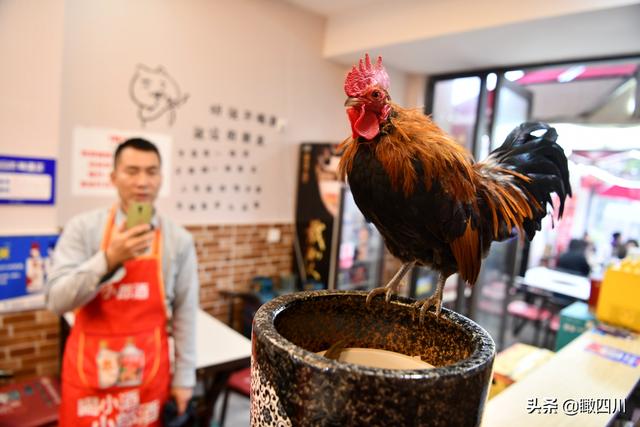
x=138 y=213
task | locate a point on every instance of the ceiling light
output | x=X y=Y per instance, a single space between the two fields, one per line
x=492 y=80
x=514 y=75
x=571 y=73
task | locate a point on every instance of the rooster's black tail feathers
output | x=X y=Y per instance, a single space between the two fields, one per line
x=531 y=150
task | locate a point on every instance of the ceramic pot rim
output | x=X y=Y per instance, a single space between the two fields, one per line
x=264 y=329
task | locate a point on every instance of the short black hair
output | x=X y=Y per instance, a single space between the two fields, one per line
x=577 y=245
x=137 y=144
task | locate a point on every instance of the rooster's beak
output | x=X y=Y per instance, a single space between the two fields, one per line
x=352 y=102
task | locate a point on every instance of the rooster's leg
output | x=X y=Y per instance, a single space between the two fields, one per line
x=393 y=285
x=434 y=300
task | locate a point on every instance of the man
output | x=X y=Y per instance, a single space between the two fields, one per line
x=126 y=286
x=574 y=260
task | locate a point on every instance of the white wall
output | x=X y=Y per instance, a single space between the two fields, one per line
x=30 y=75
x=68 y=63
x=415 y=90
x=263 y=55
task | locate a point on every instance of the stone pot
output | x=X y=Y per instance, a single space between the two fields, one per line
x=291 y=385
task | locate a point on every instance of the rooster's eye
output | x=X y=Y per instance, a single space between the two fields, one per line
x=375 y=94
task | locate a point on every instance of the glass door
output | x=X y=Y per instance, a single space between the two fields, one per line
x=454 y=107
x=511 y=107
x=360 y=251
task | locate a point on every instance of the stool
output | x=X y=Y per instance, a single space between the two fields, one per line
x=239 y=382
x=551 y=330
x=527 y=312
x=554 y=304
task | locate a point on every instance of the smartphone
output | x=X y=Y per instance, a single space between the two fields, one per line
x=139 y=213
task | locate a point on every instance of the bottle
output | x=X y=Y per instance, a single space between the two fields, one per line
x=107 y=365
x=131 y=365
x=596 y=281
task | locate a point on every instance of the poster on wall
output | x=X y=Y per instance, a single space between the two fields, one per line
x=230 y=167
x=92 y=159
x=25 y=262
x=27 y=180
x=318 y=204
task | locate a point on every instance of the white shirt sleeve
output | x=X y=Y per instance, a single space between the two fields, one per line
x=76 y=273
x=185 y=306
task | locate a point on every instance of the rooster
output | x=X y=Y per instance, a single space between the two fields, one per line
x=433 y=205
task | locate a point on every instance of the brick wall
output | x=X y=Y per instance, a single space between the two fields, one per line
x=29 y=343
x=229 y=256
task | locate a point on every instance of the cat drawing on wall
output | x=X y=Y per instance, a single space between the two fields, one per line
x=155 y=93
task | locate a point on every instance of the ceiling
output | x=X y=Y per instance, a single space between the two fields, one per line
x=330 y=7
x=603 y=32
x=570 y=101
x=582 y=93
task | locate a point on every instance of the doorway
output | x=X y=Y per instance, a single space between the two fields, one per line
x=594 y=106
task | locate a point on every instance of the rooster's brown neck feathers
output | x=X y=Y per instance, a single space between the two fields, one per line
x=396 y=149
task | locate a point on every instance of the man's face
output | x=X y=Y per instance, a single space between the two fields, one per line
x=137 y=176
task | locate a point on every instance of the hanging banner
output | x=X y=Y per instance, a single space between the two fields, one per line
x=25 y=262
x=318 y=203
x=27 y=180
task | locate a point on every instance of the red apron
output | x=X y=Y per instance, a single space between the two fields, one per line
x=116 y=362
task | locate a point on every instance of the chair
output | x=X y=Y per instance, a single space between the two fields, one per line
x=554 y=305
x=239 y=382
x=551 y=331
x=524 y=312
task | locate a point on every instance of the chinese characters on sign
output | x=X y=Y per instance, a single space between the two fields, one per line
x=614 y=354
x=305 y=167
x=222 y=172
x=573 y=407
x=120 y=409
x=315 y=247
x=92 y=159
x=126 y=291
x=26 y=180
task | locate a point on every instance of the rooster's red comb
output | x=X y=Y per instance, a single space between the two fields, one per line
x=365 y=75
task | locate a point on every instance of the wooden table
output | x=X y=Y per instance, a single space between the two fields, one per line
x=547 y=281
x=30 y=403
x=584 y=370
x=220 y=350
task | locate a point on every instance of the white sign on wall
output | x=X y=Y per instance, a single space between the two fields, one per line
x=92 y=159
x=27 y=180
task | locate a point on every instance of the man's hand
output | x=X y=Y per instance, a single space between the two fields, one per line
x=126 y=244
x=181 y=396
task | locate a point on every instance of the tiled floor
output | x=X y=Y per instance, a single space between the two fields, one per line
x=237 y=411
